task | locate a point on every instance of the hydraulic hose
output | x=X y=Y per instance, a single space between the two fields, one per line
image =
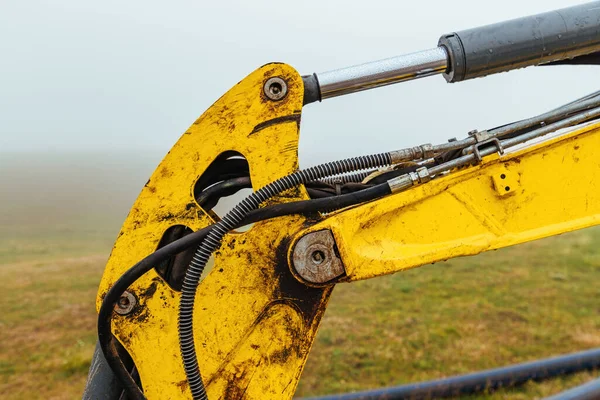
x=355 y=177
x=105 y=337
x=209 y=197
x=587 y=391
x=491 y=379
x=228 y=223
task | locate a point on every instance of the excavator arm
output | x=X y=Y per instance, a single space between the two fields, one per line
x=243 y=328
x=543 y=190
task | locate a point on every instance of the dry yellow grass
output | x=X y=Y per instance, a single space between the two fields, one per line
x=48 y=323
x=513 y=305
x=480 y=312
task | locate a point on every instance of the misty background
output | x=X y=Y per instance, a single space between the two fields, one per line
x=93 y=94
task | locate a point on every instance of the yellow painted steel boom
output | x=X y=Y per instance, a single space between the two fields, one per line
x=256 y=318
x=257 y=310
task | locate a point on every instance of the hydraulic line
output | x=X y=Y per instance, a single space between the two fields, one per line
x=470 y=158
x=355 y=177
x=209 y=197
x=539 y=120
x=588 y=102
x=406 y=181
x=491 y=379
x=226 y=168
x=105 y=336
x=228 y=223
x=587 y=391
x=246 y=213
x=586 y=97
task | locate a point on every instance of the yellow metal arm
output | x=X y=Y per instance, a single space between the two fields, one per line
x=254 y=322
x=548 y=189
x=256 y=316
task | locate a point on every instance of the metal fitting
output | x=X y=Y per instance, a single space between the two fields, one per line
x=315 y=259
x=427 y=150
x=481 y=136
x=126 y=303
x=475 y=149
x=423 y=174
x=399 y=183
x=403 y=182
x=414 y=178
x=480 y=139
x=412 y=153
x=398 y=156
x=275 y=88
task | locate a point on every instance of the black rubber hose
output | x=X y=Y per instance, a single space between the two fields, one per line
x=477 y=382
x=226 y=166
x=318 y=193
x=228 y=223
x=105 y=337
x=209 y=197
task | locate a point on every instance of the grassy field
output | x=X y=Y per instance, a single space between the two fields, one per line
x=513 y=305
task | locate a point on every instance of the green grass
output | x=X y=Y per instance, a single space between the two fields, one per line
x=48 y=327
x=513 y=305
x=503 y=307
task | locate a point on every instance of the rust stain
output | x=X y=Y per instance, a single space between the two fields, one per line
x=150 y=290
x=279 y=120
x=281 y=356
x=182 y=385
x=310 y=301
x=140 y=313
x=237 y=382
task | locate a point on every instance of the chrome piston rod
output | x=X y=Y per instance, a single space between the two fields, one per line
x=567 y=36
x=384 y=72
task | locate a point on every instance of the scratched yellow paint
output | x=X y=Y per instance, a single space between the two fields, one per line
x=251 y=332
x=254 y=322
x=548 y=189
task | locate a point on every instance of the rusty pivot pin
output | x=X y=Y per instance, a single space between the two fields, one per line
x=314 y=258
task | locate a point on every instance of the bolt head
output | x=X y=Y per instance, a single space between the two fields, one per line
x=125 y=304
x=318 y=257
x=275 y=88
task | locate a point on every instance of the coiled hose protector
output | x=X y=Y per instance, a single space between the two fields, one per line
x=228 y=223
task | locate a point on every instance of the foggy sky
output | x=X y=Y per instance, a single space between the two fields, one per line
x=113 y=75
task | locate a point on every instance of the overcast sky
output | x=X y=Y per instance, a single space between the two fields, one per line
x=124 y=75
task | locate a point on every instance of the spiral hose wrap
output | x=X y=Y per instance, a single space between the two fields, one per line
x=228 y=223
x=355 y=177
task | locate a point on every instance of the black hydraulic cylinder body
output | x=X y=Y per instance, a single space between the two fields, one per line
x=538 y=39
